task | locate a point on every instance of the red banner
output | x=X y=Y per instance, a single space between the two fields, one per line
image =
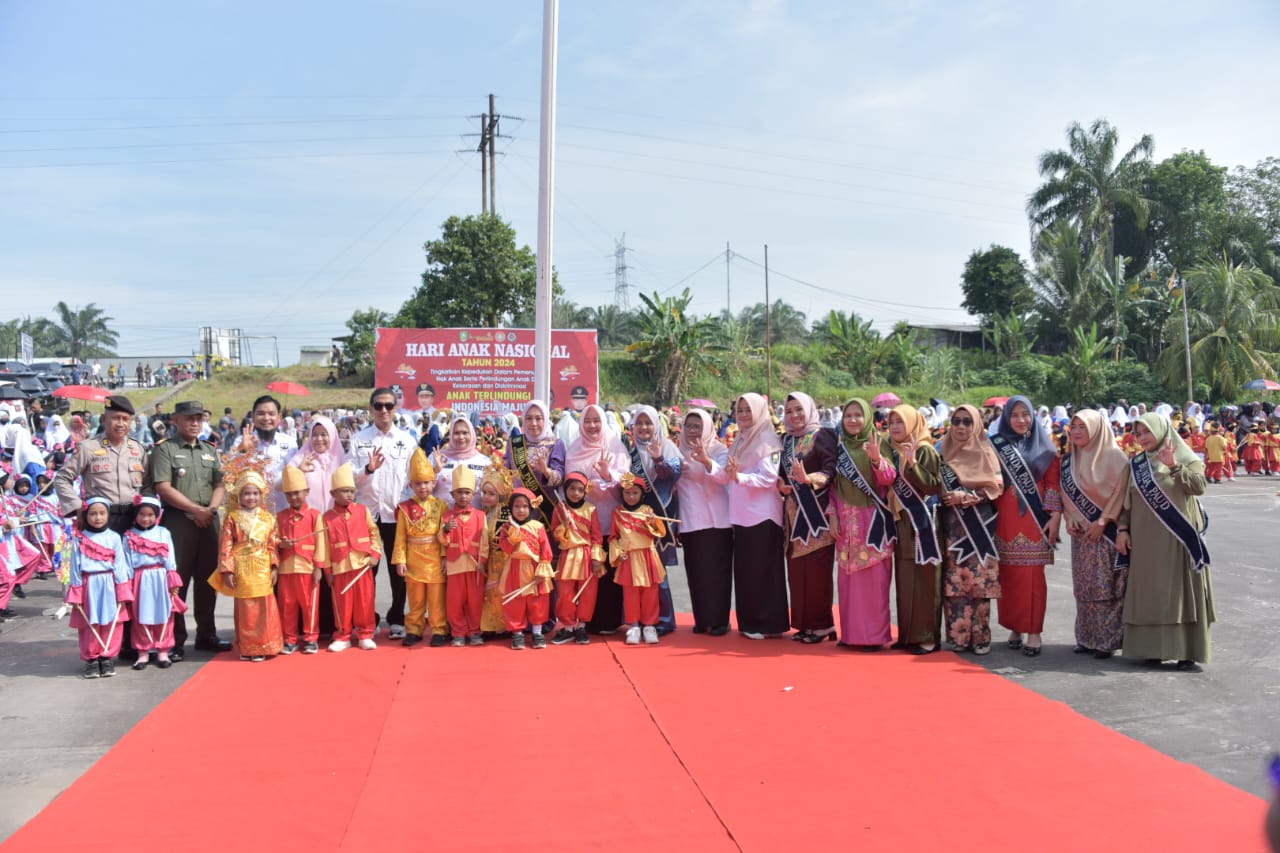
x=485 y=370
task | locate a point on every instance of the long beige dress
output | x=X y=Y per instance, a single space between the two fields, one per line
x=1168 y=606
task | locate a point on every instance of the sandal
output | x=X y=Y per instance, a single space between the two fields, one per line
x=1031 y=651
x=1015 y=643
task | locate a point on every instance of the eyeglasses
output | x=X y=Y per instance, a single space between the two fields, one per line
x=962 y=422
x=384 y=407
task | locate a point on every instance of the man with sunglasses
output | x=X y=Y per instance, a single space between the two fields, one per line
x=380 y=456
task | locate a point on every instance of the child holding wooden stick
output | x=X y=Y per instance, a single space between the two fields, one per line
x=527 y=577
x=148 y=548
x=576 y=527
x=304 y=551
x=99 y=590
x=354 y=550
x=633 y=549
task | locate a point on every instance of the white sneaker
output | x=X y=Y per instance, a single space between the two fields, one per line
x=633 y=636
x=339 y=646
x=368 y=644
x=395 y=632
x=650 y=634
x=752 y=635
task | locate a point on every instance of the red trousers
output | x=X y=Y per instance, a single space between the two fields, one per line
x=526 y=610
x=299 y=598
x=353 y=609
x=1215 y=470
x=465 y=599
x=640 y=605
x=572 y=615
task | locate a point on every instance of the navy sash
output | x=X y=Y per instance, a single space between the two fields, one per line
x=977 y=539
x=1019 y=474
x=1144 y=480
x=651 y=497
x=883 y=531
x=927 y=552
x=529 y=478
x=811 y=517
x=1090 y=510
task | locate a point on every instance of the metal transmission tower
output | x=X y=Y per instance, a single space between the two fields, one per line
x=621 y=294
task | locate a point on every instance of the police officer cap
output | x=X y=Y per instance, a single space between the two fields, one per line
x=189 y=407
x=119 y=403
x=579 y=392
x=425 y=388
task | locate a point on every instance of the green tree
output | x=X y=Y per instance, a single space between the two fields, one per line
x=1120 y=293
x=476 y=276
x=898 y=356
x=1253 y=216
x=786 y=324
x=1188 y=208
x=82 y=333
x=565 y=314
x=1010 y=336
x=855 y=345
x=673 y=345
x=1234 y=319
x=994 y=282
x=44 y=336
x=1085 y=361
x=614 y=327
x=358 y=347
x=1085 y=183
x=1066 y=296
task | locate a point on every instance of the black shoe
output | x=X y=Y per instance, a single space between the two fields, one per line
x=19 y=592
x=562 y=636
x=719 y=631
x=212 y=644
x=539 y=641
x=91 y=669
x=438 y=640
x=1031 y=651
x=177 y=654
x=698 y=629
x=1188 y=666
x=813 y=638
x=411 y=640
x=139 y=665
x=8 y=612
x=663 y=630
x=288 y=648
x=1015 y=643
x=1081 y=650
x=106 y=668
x=164 y=664
x=517 y=640
x=1103 y=655
x=580 y=636
x=921 y=650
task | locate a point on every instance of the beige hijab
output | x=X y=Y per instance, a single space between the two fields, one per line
x=974 y=461
x=1100 y=467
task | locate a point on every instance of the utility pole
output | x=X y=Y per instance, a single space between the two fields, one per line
x=768 y=333
x=483 y=148
x=621 y=296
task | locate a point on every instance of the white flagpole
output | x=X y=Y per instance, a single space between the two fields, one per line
x=546 y=202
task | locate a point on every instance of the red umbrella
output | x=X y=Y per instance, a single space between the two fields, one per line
x=83 y=392
x=995 y=401
x=289 y=389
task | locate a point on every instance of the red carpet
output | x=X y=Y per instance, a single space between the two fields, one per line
x=694 y=745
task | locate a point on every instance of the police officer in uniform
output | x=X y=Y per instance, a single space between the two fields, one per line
x=111 y=466
x=187 y=473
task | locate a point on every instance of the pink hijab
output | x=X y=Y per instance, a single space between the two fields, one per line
x=759 y=441
x=322 y=464
x=583 y=454
x=707 y=438
x=812 y=422
x=468 y=450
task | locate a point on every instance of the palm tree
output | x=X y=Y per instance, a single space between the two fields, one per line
x=1086 y=184
x=786 y=324
x=83 y=332
x=855 y=344
x=1065 y=280
x=1234 y=318
x=614 y=327
x=673 y=345
x=1085 y=358
x=1121 y=292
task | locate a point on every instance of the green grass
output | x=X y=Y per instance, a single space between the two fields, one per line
x=238 y=387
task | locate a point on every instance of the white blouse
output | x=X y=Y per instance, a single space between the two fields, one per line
x=704 y=500
x=754 y=497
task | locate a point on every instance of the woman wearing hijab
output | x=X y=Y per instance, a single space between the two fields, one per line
x=918 y=559
x=656 y=459
x=805 y=471
x=971 y=482
x=537 y=457
x=460 y=450
x=600 y=454
x=79 y=431
x=318 y=458
x=56 y=434
x=1095 y=478
x=706 y=534
x=1168 y=603
x=1029 y=513
x=864 y=530
x=755 y=511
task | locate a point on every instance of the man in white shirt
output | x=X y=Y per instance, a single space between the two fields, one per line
x=380 y=455
x=262 y=438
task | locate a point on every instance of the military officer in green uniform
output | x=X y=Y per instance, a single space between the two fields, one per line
x=187 y=473
x=111 y=466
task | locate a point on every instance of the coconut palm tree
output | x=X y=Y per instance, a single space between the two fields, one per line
x=1065 y=281
x=786 y=324
x=83 y=332
x=1085 y=183
x=1234 y=319
x=614 y=327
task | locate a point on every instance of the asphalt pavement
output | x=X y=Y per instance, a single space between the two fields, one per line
x=1223 y=719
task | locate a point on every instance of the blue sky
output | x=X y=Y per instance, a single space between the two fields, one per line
x=273 y=166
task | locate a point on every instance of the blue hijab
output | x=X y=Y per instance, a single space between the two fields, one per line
x=1036 y=446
